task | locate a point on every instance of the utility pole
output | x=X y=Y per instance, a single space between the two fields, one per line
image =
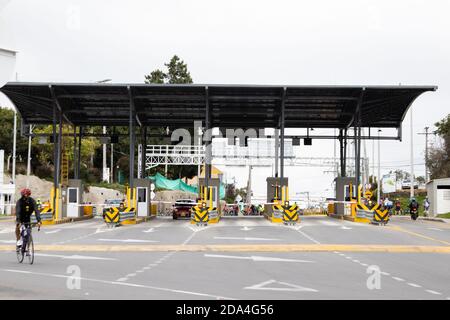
x=13 y=173
x=29 y=157
x=426 y=133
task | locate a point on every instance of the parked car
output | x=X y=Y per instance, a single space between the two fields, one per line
x=406 y=184
x=182 y=208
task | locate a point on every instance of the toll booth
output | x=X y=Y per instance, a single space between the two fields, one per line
x=343 y=187
x=274 y=186
x=73 y=197
x=214 y=183
x=143 y=197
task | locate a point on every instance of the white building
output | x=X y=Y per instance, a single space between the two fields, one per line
x=6 y=190
x=438 y=191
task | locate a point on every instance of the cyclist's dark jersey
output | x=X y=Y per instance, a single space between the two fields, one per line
x=24 y=210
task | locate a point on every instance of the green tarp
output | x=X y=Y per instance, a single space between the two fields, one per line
x=161 y=182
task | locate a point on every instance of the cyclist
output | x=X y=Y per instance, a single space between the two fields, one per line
x=398 y=207
x=25 y=207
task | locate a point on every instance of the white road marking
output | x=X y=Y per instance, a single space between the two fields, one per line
x=246 y=239
x=345 y=228
x=53 y=231
x=149 y=230
x=329 y=223
x=246 y=228
x=118 y=283
x=284 y=287
x=101 y=230
x=74 y=257
x=7 y=241
x=414 y=285
x=8 y=230
x=398 y=279
x=128 y=240
x=385 y=273
x=433 y=292
x=437 y=229
x=308 y=237
x=257 y=258
x=122 y=279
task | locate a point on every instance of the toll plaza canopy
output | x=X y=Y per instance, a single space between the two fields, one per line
x=227 y=106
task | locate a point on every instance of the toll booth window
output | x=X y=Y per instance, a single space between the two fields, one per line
x=142 y=195
x=73 y=196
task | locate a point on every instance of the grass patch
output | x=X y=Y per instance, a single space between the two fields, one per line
x=404 y=200
x=444 y=215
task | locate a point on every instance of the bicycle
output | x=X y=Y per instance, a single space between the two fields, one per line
x=27 y=247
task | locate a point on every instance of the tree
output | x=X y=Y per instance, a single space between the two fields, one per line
x=439 y=156
x=177 y=73
x=156 y=76
x=6 y=135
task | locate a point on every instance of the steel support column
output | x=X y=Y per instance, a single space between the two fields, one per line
x=341 y=152
x=144 y=146
x=80 y=131
x=208 y=149
x=357 y=136
x=55 y=155
x=282 y=118
x=132 y=136
x=277 y=146
x=74 y=152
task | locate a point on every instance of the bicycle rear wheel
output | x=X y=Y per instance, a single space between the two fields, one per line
x=30 y=250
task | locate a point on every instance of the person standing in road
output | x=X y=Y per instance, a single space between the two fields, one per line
x=426 y=207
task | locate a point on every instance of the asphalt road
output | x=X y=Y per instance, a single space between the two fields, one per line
x=245 y=258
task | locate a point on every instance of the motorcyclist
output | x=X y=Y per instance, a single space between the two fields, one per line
x=413 y=205
x=25 y=207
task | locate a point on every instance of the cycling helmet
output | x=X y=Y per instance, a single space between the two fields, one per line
x=25 y=192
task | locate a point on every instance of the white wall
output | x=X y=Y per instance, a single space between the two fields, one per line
x=7 y=65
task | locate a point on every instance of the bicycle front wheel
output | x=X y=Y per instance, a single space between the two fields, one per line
x=30 y=250
x=19 y=254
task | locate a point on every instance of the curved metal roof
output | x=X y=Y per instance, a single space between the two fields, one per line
x=231 y=106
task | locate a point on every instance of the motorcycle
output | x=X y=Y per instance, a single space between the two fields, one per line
x=414 y=213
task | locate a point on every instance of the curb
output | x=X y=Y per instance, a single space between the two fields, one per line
x=68 y=220
x=336 y=216
x=435 y=219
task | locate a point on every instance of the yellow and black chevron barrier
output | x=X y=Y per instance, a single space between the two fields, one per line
x=282 y=208
x=201 y=212
x=112 y=215
x=375 y=214
x=381 y=217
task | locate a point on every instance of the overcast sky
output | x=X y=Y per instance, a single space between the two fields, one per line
x=245 y=42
